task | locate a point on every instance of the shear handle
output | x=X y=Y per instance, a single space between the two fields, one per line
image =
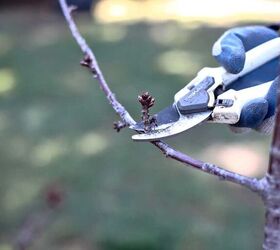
x=229 y=104
x=255 y=58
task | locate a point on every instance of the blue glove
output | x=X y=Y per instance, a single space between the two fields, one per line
x=229 y=50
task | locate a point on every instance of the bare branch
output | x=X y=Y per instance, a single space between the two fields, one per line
x=274 y=162
x=251 y=183
x=93 y=65
x=272 y=196
x=90 y=62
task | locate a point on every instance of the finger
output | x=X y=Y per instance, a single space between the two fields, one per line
x=230 y=49
x=253 y=113
x=265 y=73
x=272 y=98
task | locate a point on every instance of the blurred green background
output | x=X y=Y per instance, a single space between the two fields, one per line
x=56 y=133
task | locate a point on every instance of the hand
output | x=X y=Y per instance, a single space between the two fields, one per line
x=229 y=50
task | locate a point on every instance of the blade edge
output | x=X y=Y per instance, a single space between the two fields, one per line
x=184 y=123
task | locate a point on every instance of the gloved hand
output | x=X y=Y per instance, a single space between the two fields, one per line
x=229 y=50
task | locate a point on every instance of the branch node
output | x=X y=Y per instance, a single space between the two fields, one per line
x=72 y=8
x=87 y=62
x=222 y=178
x=119 y=125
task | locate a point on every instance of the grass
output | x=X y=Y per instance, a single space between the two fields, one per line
x=56 y=126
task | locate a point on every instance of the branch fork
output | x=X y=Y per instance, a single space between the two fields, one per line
x=267 y=187
x=90 y=61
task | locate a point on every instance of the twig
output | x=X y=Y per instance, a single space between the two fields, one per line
x=36 y=224
x=93 y=65
x=146 y=101
x=119 y=125
x=251 y=183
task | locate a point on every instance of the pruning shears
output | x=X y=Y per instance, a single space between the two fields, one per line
x=205 y=98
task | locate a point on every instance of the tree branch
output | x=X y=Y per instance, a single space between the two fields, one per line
x=90 y=61
x=272 y=179
x=253 y=184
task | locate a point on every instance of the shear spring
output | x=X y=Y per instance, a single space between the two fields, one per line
x=224 y=102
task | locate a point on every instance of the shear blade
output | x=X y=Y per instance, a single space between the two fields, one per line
x=184 y=122
x=164 y=119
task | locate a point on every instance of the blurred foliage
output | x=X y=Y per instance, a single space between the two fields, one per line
x=55 y=125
